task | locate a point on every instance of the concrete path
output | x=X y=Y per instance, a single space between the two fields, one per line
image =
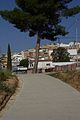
x=44 y=98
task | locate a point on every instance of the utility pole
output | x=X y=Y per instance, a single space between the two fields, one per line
x=76 y=42
x=59 y=41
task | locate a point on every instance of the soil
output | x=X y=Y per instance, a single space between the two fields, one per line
x=12 y=82
x=70 y=77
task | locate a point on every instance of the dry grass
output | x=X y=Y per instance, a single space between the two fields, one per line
x=70 y=77
x=8 y=90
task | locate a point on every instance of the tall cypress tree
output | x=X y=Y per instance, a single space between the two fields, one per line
x=9 y=61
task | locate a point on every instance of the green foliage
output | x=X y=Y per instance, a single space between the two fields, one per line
x=9 y=61
x=40 y=16
x=7 y=73
x=4 y=87
x=24 y=63
x=72 y=11
x=60 y=55
x=4 y=75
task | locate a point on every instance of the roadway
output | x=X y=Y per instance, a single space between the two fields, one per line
x=43 y=97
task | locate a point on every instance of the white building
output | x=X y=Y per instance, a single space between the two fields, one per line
x=49 y=64
x=63 y=45
x=72 y=52
x=16 y=58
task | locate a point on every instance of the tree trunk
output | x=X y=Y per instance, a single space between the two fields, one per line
x=9 y=60
x=37 y=55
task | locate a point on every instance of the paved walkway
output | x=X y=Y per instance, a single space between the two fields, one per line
x=44 y=98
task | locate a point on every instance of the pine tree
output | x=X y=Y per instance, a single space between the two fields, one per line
x=9 y=61
x=41 y=18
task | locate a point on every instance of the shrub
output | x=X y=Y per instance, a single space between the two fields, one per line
x=3 y=77
x=5 y=88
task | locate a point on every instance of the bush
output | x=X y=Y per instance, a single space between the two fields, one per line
x=4 y=75
x=7 y=73
x=5 y=88
x=24 y=63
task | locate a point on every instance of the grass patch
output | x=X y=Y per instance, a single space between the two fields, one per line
x=4 y=75
x=70 y=77
x=5 y=84
x=5 y=88
x=8 y=85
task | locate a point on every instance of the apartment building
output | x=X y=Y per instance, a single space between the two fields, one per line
x=44 y=52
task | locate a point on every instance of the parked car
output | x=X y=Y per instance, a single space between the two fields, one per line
x=20 y=69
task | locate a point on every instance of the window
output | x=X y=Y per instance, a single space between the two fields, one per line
x=48 y=64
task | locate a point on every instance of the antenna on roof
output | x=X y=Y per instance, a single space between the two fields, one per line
x=76 y=41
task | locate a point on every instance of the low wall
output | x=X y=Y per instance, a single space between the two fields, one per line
x=66 y=67
x=56 y=68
